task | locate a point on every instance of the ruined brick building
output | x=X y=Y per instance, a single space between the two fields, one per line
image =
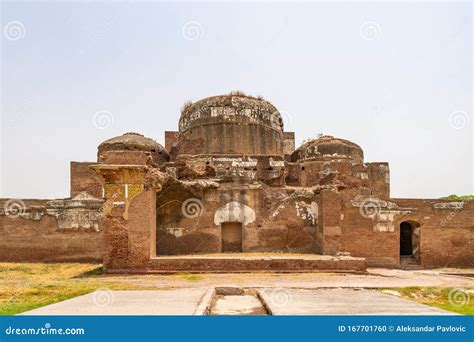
x=229 y=181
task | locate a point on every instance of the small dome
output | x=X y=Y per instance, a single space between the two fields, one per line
x=135 y=142
x=328 y=146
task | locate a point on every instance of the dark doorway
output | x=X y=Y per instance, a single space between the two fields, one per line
x=232 y=237
x=406 y=242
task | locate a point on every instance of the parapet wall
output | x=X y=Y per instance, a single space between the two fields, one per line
x=446 y=231
x=443 y=231
x=50 y=230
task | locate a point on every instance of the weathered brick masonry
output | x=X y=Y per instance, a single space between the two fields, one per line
x=230 y=180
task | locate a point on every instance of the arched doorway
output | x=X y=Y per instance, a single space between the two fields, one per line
x=406 y=241
x=409 y=243
x=232 y=218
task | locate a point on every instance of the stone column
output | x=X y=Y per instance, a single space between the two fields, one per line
x=141 y=226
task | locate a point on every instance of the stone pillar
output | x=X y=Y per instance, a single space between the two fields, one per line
x=141 y=227
x=330 y=222
x=115 y=241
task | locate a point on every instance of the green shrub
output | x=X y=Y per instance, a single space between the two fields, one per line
x=458 y=197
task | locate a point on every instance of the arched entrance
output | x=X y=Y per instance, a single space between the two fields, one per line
x=409 y=243
x=406 y=241
x=232 y=218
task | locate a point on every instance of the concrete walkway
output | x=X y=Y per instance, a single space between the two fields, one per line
x=278 y=301
x=341 y=302
x=238 y=306
x=126 y=303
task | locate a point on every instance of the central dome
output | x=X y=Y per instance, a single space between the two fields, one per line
x=231 y=124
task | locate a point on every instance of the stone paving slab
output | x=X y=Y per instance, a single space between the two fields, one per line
x=134 y=303
x=237 y=306
x=341 y=302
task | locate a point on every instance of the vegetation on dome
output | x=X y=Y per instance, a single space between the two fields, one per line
x=240 y=93
x=243 y=94
x=305 y=141
x=237 y=93
x=186 y=106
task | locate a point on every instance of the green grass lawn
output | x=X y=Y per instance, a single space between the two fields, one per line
x=456 y=300
x=25 y=287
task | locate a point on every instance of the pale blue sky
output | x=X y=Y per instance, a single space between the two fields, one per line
x=317 y=62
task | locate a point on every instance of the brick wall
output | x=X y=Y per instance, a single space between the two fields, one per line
x=85 y=179
x=446 y=231
x=26 y=240
x=50 y=231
